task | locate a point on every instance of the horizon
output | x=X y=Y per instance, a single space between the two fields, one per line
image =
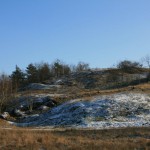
x=100 y=33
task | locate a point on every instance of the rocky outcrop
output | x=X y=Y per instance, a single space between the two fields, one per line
x=31 y=104
x=5 y=116
x=119 y=110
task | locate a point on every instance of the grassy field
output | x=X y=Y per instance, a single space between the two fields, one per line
x=110 y=139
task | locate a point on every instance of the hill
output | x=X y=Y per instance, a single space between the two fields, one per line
x=97 y=96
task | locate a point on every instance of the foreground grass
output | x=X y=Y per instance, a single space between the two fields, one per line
x=112 y=139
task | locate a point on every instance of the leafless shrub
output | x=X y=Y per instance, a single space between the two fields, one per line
x=5 y=91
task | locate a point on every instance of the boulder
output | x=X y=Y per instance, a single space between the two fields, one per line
x=5 y=115
x=18 y=113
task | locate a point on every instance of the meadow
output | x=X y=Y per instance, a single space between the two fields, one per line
x=71 y=139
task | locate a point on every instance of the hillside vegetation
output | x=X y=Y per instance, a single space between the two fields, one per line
x=62 y=106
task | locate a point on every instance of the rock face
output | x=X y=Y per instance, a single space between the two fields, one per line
x=119 y=110
x=31 y=104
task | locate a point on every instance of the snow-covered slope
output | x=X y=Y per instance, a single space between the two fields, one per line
x=118 y=110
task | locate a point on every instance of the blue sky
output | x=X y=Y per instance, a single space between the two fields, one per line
x=100 y=32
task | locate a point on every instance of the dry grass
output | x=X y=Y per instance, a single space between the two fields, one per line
x=4 y=123
x=114 y=139
x=144 y=87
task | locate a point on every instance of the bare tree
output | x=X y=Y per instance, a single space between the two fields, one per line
x=81 y=66
x=59 y=68
x=5 y=91
x=30 y=103
x=146 y=61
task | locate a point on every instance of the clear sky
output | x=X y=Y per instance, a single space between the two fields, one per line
x=100 y=32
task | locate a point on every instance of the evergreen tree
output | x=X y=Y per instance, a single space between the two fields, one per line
x=18 y=78
x=32 y=74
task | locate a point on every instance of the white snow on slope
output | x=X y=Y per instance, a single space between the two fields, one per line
x=118 y=110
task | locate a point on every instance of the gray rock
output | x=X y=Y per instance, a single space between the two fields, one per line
x=5 y=115
x=18 y=113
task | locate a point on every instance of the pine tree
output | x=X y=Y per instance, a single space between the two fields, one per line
x=32 y=74
x=18 y=78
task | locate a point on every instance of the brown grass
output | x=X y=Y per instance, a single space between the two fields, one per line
x=112 y=139
x=4 y=123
